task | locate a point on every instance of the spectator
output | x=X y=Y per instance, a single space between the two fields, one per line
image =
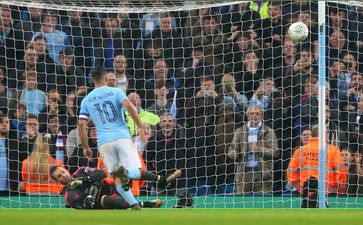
x=16 y=77
x=247 y=81
x=263 y=93
x=194 y=20
x=162 y=103
x=231 y=95
x=111 y=79
x=17 y=121
x=145 y=116
x=27 y=28
x=166 y=152
x=145 y=59
x=27 y=140
x=240 y=19
x=72 y=111
x=200 y=114
x=225 y=128
x=349 y=102
x=350 y=61
x=57 y=139
x=305 y=137
x=7 y=41
x=33 y=99
x=9 y=158
x=215 y=43
x=174 y=48
x=337 y=44
x=354 y=163
x=335 y=70
x=162 y=72
x=6 y=94
x=40 y=45
x=304 y=68
x=241 y=44
x=355 y=127
x=54 y=107
x=73 y=141
x=336 y=136
x=77 y=159
x=124 y=79
x=35 y=171
x=67 y=77
x=254 y=147
x=56 y=39
x=150 y=21
x=273 y=27
x=302 y=172
x=78 y=30
x=195 y=68
x=109 y=41
x=345 y=77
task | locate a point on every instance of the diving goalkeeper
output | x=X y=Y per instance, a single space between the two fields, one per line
x=88 y=189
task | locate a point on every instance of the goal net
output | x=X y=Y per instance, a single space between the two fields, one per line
x=225 y=94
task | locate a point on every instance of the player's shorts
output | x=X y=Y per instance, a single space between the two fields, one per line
x=120 y=152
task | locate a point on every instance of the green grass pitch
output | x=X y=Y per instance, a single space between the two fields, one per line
x=182 y=217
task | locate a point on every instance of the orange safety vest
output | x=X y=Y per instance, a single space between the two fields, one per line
x=136 y=185
x=305 y=164
x=32 y=183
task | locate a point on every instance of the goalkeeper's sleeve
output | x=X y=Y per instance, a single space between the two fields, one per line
x=94 y=176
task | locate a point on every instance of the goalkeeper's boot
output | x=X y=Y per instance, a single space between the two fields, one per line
x=121 y=173
x=157 y=203
x=166 y=180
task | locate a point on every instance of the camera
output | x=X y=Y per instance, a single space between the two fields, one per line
x=347 y=64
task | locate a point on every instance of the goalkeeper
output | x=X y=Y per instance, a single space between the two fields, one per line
x=88 y=189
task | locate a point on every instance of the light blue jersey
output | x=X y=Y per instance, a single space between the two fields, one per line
x=104 y=106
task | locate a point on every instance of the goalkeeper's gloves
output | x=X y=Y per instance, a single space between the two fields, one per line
x=89 y=202
x=75 y=184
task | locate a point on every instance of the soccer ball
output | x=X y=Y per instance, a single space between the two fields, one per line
x=298 y=32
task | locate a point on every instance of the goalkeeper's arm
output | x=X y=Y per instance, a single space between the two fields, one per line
x=97 y=175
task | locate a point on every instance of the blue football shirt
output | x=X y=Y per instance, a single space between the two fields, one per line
x=104 y=106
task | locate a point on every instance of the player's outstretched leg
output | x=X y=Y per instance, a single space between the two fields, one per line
x=166 y=180
x=157 y=203
x=134 y=173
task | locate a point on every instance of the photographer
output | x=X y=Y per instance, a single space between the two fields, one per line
x=231 y=95
x=263 y=93
x=350 y=101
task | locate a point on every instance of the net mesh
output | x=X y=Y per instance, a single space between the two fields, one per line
x=227 y=97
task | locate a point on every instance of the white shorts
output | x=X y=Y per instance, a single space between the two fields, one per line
x=120 y=152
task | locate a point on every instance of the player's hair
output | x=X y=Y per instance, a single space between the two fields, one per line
x=98 y=75
x=51 y=172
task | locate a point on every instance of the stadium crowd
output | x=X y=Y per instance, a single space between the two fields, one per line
x=228 y=97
